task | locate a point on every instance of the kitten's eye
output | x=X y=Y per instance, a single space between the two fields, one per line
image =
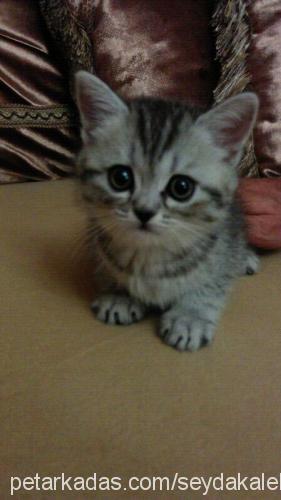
x=180 y=187
x=121 y=178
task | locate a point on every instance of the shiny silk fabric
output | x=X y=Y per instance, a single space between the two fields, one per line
x=139 y=47
x=31 y=76
x=155 y=48
x=265 y=69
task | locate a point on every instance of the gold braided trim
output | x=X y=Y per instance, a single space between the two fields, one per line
x=37 y=116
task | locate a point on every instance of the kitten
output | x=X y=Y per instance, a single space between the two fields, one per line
x=160 y=182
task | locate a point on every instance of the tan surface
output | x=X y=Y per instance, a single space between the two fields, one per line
x=80 y=397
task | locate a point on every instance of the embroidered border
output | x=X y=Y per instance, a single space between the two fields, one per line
x=37 y=116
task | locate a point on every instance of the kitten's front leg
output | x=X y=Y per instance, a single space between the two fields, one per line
x=118 y=309
x=187 y=327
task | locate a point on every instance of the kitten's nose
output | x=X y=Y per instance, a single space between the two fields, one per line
x=144 y=215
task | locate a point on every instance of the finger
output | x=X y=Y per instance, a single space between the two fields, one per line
x=260 y=184
x=260 y=205
x=258 y=196
x=264 y=231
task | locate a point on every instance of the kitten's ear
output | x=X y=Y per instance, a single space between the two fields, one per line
x=231 y=123
x=96 y=102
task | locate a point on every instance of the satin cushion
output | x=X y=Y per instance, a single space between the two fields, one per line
x=139 y=47
x=264 y=65
x=160 y=49
x=33 y=89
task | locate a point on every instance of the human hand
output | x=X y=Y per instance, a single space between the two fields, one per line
x=261 y=204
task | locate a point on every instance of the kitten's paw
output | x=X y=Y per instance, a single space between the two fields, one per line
x=186 y=333
x=118 y=309
x=252 y=263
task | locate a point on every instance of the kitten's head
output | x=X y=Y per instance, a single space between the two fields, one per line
x=155 y=172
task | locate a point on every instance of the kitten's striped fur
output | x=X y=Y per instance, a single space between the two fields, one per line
x=187 y=258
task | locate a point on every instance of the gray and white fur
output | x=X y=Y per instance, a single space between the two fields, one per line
x=173 y=237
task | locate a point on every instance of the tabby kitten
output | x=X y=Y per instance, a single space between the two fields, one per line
x=160 y=182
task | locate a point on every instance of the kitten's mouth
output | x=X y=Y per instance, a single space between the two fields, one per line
x=144 y=227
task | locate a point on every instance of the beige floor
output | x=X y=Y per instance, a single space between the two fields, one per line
x=79 y=397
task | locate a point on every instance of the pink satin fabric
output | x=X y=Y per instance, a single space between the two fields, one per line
x=140 y=47
x=31 y=75
x=265 y=68
x=160 y=49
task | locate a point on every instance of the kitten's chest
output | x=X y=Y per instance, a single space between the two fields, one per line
x=152 y=277
x=158 y=291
